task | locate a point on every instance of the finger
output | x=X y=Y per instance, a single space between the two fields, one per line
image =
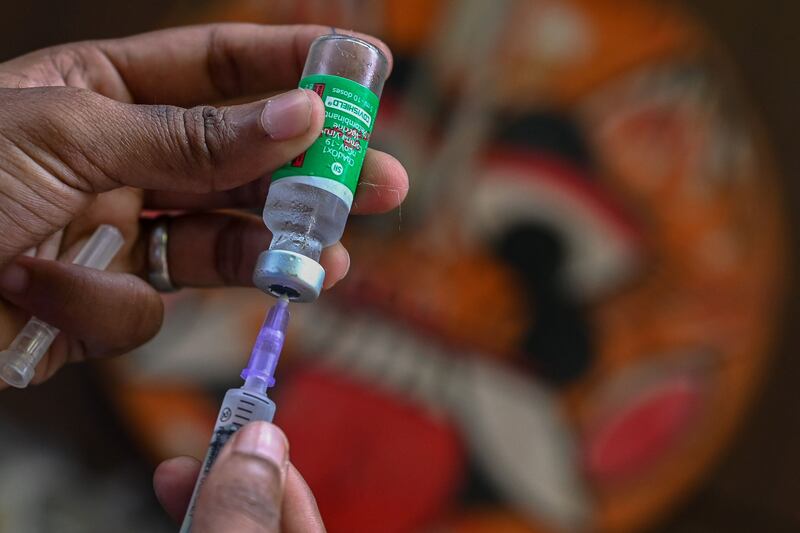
x=173 y=482
x=214 y=249
x=183 y=66
x=382 y=187
x=200 y=64
x=106 y=313
x=300 y=511
x=336 y=262
x=244 y=490
x=198 y=150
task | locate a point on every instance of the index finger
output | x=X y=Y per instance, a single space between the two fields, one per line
x=202 y=64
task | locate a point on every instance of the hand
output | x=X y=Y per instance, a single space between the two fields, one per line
x=252 y=487
x=95 y=132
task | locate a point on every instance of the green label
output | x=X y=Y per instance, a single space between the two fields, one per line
x=338 y=153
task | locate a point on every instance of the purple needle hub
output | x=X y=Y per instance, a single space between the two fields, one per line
x=260 y=370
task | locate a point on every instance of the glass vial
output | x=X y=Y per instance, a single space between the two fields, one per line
x=310 y=197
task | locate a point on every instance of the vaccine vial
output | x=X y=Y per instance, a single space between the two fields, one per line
x=310 y=197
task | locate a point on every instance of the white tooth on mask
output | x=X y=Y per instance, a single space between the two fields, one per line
x=378 y=352
x=513 y=424
x=520 y=437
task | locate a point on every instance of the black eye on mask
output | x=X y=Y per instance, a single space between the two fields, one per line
x=558 y=342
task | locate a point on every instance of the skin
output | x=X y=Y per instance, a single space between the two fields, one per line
x=96 y=132
x=244 y=492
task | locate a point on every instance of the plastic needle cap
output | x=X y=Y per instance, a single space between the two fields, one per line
x=260 y=370
x=18 y=362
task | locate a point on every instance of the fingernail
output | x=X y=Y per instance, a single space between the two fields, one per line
x=14 y=279
x=347 y=268
x=263 y=440
x=287 y=115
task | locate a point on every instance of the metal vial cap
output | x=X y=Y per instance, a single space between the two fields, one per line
x=284 y=273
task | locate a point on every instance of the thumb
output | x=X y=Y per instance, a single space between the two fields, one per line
x=244 y=490
x=93 y=143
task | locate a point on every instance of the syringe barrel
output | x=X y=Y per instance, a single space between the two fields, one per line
x=26 y=351
x=238 y=408
x=18 y=362
x=101 y=248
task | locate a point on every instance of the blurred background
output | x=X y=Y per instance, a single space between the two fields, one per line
x=581 y=319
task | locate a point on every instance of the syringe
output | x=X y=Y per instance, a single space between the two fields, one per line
x=248 y=403
x=18 y=362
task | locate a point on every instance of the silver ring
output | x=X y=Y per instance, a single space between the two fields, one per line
x=157 y=266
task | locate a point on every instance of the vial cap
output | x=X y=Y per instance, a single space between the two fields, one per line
x=283 y=273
